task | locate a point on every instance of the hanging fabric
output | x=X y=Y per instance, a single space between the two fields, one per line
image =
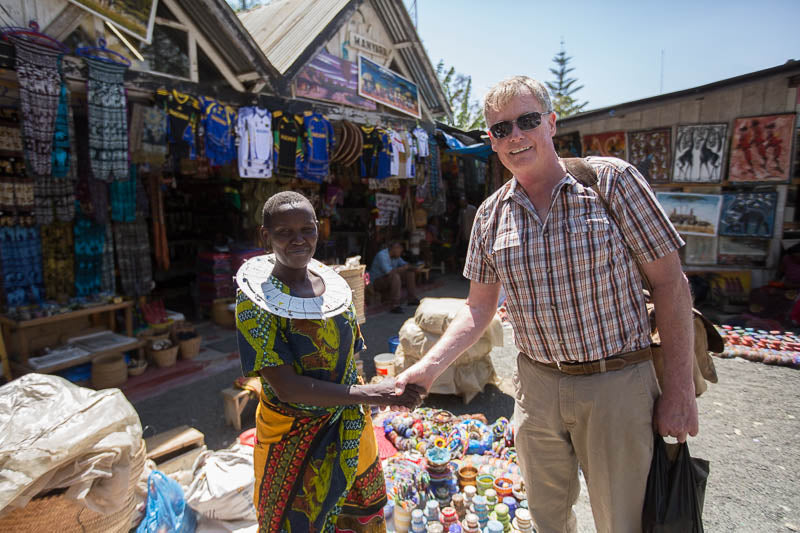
x=58 y=261
x=108 y=281
x=89 y=245
x=148 y=135
x=16 y=188
x=123 y=198
x=219 y=124
x=39 y=74
x=133 y=257
x=108 y=120
x=21 y=259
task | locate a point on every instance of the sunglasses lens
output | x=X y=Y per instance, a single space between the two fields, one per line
x=529 y=121
x=501 y=129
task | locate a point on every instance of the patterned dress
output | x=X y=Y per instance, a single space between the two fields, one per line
x=317 y=469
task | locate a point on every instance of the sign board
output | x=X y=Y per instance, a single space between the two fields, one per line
x=388 y=206
x=331 y=79
x=133 y=17
x=367 y=45
x=386 y=87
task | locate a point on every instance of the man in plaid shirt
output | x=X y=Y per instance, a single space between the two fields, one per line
x=586 y=390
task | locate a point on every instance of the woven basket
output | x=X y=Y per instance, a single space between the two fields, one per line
x=164 y=358
x=58 y=513
x=109 y=371
x=190 y=347
x=220 y=313
x=355 y=278
x=153 y=334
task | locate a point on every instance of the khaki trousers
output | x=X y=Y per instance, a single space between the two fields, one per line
x=602 y=422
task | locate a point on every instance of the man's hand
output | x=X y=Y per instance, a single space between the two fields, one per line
x=418 y=375
x=675 y=415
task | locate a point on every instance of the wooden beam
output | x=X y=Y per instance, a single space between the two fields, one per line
x=248 y=76
x=65 y=22
x=404 y=44
x=258 y=86
x=171 y=24
x=210 y=51
x=193 y=73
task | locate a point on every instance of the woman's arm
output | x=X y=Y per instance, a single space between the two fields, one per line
x=293 y=388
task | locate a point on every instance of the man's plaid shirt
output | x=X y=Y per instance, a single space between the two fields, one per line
x=573 y=289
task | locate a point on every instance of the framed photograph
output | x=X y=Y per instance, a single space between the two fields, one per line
x=568 y=145
x=699 y=153
x=386 y=87
x=331 y=79
x=700 y=250
x=608 y=144
x=743 y=251
x=748 y=214
x=692 y=214
x=761 y=148
x=135 y=17
x=650 y=151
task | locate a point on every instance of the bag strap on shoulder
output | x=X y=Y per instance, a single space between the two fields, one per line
x=587 y=176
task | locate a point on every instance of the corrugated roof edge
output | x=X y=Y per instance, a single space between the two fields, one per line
x=789 y=66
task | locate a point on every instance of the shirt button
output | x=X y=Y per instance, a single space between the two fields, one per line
x=544 y=233
x=553 y=307
x=549 y=270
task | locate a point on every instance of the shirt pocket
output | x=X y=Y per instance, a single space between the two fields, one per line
x=588 y=242
x=504 y=241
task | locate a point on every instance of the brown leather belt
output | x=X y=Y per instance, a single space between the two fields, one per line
x=609 y=364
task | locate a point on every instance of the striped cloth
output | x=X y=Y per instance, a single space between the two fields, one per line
x=574 y=292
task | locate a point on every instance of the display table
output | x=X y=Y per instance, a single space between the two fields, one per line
x=23 y=328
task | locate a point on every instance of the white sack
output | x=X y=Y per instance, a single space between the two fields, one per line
x=223 y=484
x=435 y=314
x=54 y=434
x=462 y=380
x=417 y=342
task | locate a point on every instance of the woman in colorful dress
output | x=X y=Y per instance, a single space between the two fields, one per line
x=316 y=462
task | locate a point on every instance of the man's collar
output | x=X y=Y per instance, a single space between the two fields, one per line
x=568 y=179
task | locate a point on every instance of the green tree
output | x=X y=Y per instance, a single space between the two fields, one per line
x=562 y=89
x=467 y=113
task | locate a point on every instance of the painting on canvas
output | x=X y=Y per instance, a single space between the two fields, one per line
x=568 y=145
x=748 y=214
x=700 y=250
x=692 y=214
x=700 y=153
x=608 y=144
x=743 y=251
x=650 y=151
x=761 y=148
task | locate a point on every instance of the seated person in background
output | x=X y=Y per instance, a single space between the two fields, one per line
x=389 y=272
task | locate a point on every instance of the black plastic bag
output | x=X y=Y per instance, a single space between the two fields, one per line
x=673 y=502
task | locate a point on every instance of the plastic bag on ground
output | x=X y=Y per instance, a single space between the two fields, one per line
x=223 y=484
x=166 y=507
x=675 y=491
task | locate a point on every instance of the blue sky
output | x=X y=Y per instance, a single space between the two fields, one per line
x=616 y=46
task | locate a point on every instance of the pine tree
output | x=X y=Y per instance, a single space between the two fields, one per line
x=561 y=90
x=467 y=113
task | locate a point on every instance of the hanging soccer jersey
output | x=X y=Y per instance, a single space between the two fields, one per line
x=182 y=112
x=422 y=142
x=369 y=154
x=288 y=144
x=398 y=155
x=384 y=156
x=318 y=136
x=218 y=122
x=411 y=154
x=254 y=129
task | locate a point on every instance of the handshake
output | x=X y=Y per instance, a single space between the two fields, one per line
x=385 y=393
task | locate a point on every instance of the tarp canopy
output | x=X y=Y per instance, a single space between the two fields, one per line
x=481 y=151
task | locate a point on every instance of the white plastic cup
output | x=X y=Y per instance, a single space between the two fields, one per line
x=384 y=364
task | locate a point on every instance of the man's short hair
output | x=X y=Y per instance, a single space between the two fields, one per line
x=277 y=200
x=502 y=93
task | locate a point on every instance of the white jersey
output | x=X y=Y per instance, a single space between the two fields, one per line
x=254 y=128
x=422 y=142
x=411 y=155
x=398 y=154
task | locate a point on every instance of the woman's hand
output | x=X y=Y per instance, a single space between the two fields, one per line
x=383 y=393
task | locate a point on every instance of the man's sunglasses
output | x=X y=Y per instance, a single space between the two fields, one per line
x=528 y=121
